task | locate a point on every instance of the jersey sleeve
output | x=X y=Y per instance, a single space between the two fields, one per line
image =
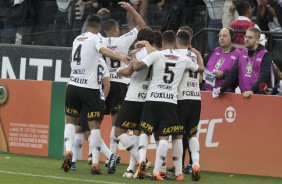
x=127 y=39
x=98 y=42
x=191 y=65
x=151 y=58
x=141 y=54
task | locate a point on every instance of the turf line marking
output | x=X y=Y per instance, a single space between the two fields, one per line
x=57 y=177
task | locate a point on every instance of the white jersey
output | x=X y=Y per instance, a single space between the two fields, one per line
x=139 y=82
x=168 y=68
x=120 y=45
x=189 y=87
x=85 y=56
x=102 y=72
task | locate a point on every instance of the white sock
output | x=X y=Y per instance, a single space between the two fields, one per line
x=76 y=149
x=95 y=141
x=163 y=167
x=160 y=155
x=69 y=136
x=132 y=161
x=195 y=150
x=113 y=141
x=89 y=145
x=135 y=139
x=105 y=150
x=177 y=151
x=143 y=144
x=128 y=143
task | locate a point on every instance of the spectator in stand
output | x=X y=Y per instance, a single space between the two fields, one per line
x=252 y=68
x=77 y=10
x=214 y=8
x=45 y=17
x=270 y=13
x=244 y=22
x=19 y=22
x=63 y=23
x=155 y=14
x=3 y=9
x=174 y=11
x=195 y=15
x=117 y=13
x=80 y=11
x=229 y=13
x=269 y=17
x=220 y=61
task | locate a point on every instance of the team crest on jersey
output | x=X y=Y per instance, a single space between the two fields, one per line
x=249 y=68
x=219 y=63
x=171 y=57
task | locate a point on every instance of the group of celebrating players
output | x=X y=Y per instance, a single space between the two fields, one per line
x=152 y=90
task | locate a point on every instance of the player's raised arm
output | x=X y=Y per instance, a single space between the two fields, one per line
x=138 y=19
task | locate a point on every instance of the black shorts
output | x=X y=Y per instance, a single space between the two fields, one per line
x=161 y=117
x=115 y=97
x=83 y=121
x=189 y=112
x=78 y=98
x=129 y=116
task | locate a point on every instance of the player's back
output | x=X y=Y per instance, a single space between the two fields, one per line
x=189 y=87
x=120 y=45
x=139 y=81
x=84 y=63
x=168 y=68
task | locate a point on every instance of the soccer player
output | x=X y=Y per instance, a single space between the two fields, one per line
x=189 y=100
x=160 y=108
x=83 y=92
x=103 y=78
x=129 y=116
x=119 y=44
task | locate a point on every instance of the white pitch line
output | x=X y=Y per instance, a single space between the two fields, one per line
x=57 y=177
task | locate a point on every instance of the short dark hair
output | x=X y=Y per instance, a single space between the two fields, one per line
x=242 y=6
x=108 y=25
x=146 y=34
x=169 y=37
x=188 y=29
x=158 y=39
x=94 y=21
x=255 y=30
x=232 y=34
x=183 y=38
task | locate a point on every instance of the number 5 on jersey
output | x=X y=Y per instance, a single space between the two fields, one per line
x=169 y=78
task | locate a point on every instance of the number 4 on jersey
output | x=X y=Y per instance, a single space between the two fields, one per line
x=76 y=56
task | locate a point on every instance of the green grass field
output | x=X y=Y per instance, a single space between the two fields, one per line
x=22 y=169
